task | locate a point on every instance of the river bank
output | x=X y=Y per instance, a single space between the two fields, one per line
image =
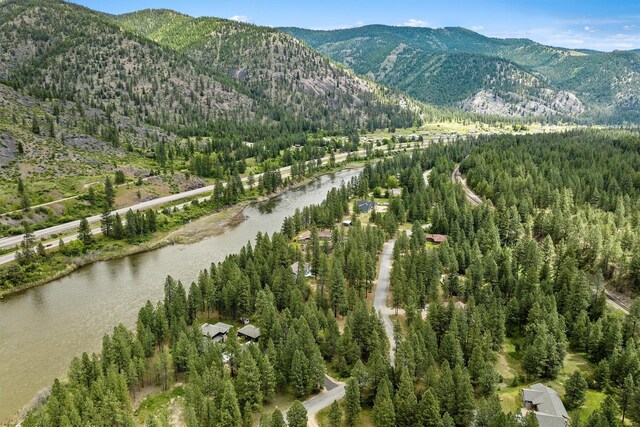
x=211 y=224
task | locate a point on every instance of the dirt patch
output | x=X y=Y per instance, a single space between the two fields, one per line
x=176 y=413
x=208 y=226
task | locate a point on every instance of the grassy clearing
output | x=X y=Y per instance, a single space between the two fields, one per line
x=365 y=419
x=509 y=363
x=155 y=403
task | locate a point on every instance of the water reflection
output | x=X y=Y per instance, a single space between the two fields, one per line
x=43 y=328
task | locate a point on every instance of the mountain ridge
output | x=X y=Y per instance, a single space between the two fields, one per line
x=583 y=74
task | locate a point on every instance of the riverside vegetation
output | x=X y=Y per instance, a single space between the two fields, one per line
x=520 y=286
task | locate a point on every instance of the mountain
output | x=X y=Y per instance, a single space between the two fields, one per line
x=187 y=75
x=460 y=68
x=275 y=66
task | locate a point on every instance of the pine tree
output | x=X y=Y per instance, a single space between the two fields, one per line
x=335 y=415
x=575 y=390
x=248 y=385
x=383 y=412
x=109 y=193
x=106 y=222
x=336 y=288
x=428 y=412
x=277 y=420
x=299 y=375
x=297 y=415
x=406 y=402
x=118 y=228
x=463 y=413
x=611 y=411
x=229 y=410
x=352 y=402
x=84 y=232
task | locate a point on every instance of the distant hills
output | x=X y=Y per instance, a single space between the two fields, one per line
x=456 y=67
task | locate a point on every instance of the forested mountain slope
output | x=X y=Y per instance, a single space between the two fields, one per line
x=275 y=67
x=529 y=77
x=194 y=82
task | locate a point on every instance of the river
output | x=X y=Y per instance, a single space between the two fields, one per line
x=43 y=328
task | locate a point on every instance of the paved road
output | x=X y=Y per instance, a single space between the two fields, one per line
x=456 y=176
x=334 y=390
x=380 y=296
x=616 y=302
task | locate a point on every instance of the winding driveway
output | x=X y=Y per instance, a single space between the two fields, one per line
x=472 y=197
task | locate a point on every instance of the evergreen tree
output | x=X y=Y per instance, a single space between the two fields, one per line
x=248 y=384
x=84 y=232
x=428 y=413
x=109 y=193
x=297 y=415
x=575 y=390
x=335 y=415
x=352 y=402
x=383 y=412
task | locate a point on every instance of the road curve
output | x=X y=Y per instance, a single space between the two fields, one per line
x=472 y=197
x=333 y=391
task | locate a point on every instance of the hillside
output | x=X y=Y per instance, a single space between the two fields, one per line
x=282 y=71
x=483 y=74
x=173 y=80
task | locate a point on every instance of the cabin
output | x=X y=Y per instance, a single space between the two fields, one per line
x=545 y=403
x=305 y=236
x=364 y=206
x=306 y=268
x=347 y=223
x=395 y=192
x=217 y=332
x=436 y=238
x=250 y=333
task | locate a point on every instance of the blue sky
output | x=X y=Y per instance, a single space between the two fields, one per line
x=586 y=24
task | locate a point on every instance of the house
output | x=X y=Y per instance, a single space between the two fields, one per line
x=365 y=206
x=306 y=269
x=305 y=236
x=395 y=192
x=545 y=404
x=249 y=332
x=347 y=223
x=436 y=238
x=217 y=332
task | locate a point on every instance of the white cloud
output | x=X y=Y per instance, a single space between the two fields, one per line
x=477 y=28
x=589 y=29
x=240 y=18
x=358 y=24
x=415 y=23
x=629 y=27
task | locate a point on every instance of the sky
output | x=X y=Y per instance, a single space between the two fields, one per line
x=578 y=24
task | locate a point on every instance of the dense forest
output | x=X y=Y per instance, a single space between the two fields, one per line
x=501 y=278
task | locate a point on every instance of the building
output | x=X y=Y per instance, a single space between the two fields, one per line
x=217 y=332
x=306 y=268
x=365 y=206
x=545 y=403
x=347 y=223
x=436 y=238
x=249 y=332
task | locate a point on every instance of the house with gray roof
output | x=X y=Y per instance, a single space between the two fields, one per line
x=217 y=332
x=545 y=403
x=250 y=332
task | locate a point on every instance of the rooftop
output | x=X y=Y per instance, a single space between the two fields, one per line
x=436 y=238
x=208 y=329
x=546 y=404
x=250 y=331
